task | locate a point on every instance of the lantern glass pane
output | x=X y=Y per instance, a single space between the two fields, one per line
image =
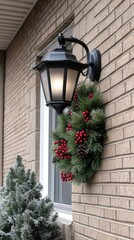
x=56 y=79
x=45 y=85
x=72 y=76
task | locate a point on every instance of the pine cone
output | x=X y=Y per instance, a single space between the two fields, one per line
x=54 y=159
x=81 y=150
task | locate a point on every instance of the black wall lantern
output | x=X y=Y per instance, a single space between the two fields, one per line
x=60 y=70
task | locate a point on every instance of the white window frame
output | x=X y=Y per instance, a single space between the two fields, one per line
x=64 y=210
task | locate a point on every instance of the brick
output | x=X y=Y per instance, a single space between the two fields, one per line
x=92 y=189
x=128 y=69
x=108 y=151
x=120 y=202
x=105 y=225
x=80 y=237
x=103 y=177
x=101 y=17
x=132 y=176
x=132 y=232
x=89 y=199
x=131 y=2
x=115 y=25
x=110 y=164
x=123 y=31
x=114 y=135
x=100 y=6
x=132 y=23
x=104 y=201
x=116 y=51
x=109 y=213
x=105 y=19
x=90 y=232
x=128 y=42
x=79 y=228
x=105 y=85
x=116 y=77
x=78 y=17
x=128 y=162
x=94 y=222
x=131 y=53
x=128 y=131
x=78 y=2
x=76 y=198
x=109 y=189
x=110 y=109
x=82 y=26
x=77 y=188
x=123 y=104
x=113 y=5
x=90 y=19
x=105 y=236
x=122 y=60
x=76 y=217
x=31 y=139
x=131 y=204
x=118 y=91
x=78 y=51
x=95 y=211
x=84 y=219
x=107 y=44
x=123 y=118
x=122 y=8
x=108 y=70
x=123 y=148
x=132 y=96
x=125 y=190
x=106 y=97
x=120 y=229
x=128 y=14
x=108 y=124
x=101 y=37
x=89 y=6
x=132 y=146
x=78 y=208
x=120 y=176
x=105 y=59
x=89 y=37
x=125 y=216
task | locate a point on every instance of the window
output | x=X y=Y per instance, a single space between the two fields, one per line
x=59 y=192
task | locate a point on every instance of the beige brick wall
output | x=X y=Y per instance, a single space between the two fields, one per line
x=2 y=67
x=104 y=208
x=22 y=85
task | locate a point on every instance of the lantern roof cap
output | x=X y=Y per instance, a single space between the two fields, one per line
x=60 y=53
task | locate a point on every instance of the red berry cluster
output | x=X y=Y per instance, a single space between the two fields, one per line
x=70 y=113
x=62 y=151
x=90 y=96
x=66 y=176
x=85 y=114
x=69 y=126
x=80 y=137
x=75 y=97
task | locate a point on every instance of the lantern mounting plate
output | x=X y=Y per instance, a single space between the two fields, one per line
x=93 y=64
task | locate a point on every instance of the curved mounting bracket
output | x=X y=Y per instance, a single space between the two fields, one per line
x=95 y=69
x=93 y=64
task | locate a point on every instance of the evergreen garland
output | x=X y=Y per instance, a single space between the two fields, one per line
x=79 y=136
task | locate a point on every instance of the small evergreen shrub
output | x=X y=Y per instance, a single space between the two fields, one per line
x=24 y=214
